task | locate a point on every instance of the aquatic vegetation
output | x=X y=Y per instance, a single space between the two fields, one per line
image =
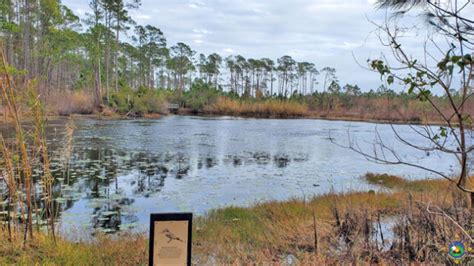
x=281 y=160
x=395 y=182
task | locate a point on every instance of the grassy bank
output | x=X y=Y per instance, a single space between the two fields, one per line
x=272 y=108
x=346 y=227
x=205 y=99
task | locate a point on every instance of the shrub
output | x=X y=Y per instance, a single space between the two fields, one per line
x=154 y=104
x=200 y=95
x=142 y=101
x=121 y=100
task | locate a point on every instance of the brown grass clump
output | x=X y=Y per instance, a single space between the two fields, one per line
x=70 y=102
x=270 y=108
x=151 y=116
x=381 y=108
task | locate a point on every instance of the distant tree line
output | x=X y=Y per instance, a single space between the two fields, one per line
x=45 y=41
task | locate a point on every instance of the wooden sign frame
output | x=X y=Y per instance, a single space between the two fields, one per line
x=169 y=218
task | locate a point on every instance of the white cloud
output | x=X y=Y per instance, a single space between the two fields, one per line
x=228 y=50
x=201 y=31
x=196 y=4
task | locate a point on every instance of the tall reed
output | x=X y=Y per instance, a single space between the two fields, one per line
x=8 y=96
x=41 y=148
x=20 y=156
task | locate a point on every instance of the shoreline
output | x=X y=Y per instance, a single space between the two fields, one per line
x=116 y=116
x=318 y=117
x=312 y=115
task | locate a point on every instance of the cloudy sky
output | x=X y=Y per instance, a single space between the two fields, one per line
x=325 y=32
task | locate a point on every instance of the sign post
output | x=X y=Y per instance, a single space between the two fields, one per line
x=170 y=239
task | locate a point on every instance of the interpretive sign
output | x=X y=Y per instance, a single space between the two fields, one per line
x=170 y=239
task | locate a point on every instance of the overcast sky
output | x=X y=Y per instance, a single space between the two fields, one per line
x=325 y=32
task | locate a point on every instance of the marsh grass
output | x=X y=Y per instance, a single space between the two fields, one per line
x=272 y=108
x=65 y=103
x=395 y=182
x=270 y=231
x=347 y=229
x=129 y=249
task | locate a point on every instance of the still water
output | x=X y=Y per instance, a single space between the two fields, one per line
x=120 y=171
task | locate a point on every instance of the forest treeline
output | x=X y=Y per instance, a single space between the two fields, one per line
x=106 y=59
x=47 y=41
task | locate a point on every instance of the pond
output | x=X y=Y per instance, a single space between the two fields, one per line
x=111 y=174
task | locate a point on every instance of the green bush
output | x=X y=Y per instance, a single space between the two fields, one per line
x=121 y=100
x=152 y=102
x=141 y=101
x=200 y=95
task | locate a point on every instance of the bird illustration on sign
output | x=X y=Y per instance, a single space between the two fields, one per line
x=171 y=237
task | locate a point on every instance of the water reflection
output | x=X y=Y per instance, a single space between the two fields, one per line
x=119 y=172
x=95 y=173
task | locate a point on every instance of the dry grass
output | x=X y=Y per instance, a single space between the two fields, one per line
x=395 y=109
x=346 y=226
x=395 y=182
x=269 y=108
x=70 y=102
x=125 y=250
x=352 y=108
x=270 y=231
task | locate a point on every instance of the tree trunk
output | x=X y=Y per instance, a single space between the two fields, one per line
x=26 y=39
x=107 y=55
x=98 y=94
x=116 y=53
